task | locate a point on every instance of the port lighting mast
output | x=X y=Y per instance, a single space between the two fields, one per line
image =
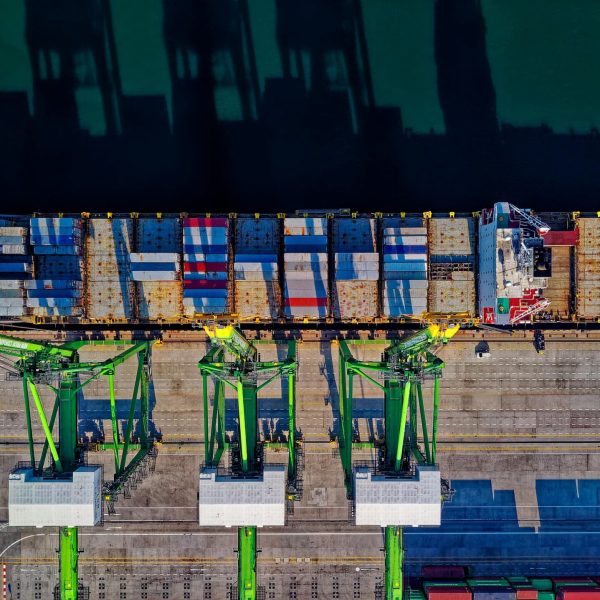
x=234 y=361
x=58 y=367
x=401 y=466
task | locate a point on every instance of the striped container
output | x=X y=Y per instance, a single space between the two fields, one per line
x=405 y=270
x=256 y=268
x=205 y=281
x=306 y=270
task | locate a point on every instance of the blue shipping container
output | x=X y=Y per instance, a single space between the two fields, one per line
x=205 y=248
x=54 y=293
x=389 y=249
x=204 y=293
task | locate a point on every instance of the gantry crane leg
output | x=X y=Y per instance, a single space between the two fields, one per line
x=247 y=563
x=394 y=562
x=69 y=556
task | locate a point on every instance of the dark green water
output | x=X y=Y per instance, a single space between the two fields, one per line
x=272 y=104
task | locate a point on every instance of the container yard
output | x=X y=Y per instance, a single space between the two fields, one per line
x=223 y=407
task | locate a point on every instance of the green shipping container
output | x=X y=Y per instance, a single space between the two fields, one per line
x=414 y=594
x=542 y=585
x=546 y=596
x=518 y=580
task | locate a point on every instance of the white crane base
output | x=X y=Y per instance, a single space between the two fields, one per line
x=395 y=501
x=74 y=501
x=227 y=501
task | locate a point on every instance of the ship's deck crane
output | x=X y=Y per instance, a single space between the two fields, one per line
x=404 y=366
x=58 y=367
x=247 y=375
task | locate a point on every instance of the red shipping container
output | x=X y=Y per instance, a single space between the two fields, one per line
x=442 y=572
x=306 y=301
x=205 y=222
x=203 y=267
x=527 y=593
x=561 y=238
x=204 y=284
x=579 y=593
x=449 y=593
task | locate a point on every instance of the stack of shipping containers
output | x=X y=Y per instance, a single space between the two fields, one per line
x=205 y=265
x=451 y=265
x=305 y=267
x=156 y=269
x=56 y=290
x=356 y=269
x=15 y=268
x=404 y=267
x=256 y=272
x=587 y=268
x=109 y=290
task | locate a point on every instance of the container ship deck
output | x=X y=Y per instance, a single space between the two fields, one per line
x=500 y=267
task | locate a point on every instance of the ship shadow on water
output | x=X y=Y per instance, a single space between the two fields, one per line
x=228 y=133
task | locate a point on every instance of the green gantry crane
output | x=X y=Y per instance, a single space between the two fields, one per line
x=244 y=373
x=402 y=369
x=58 y=367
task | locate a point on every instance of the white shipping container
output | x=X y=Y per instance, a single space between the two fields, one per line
x=12 y=311
x=405 y=240
x=358 y=265
x=154 y=275
x=355 y=275
x=305 y=257
x=394 y=258
x=13 y=231
x=52 y=302
x=256 y=276
x=408 y=284
x=305 y=226
x=255 y=266
x=154 y=257
x=356 y=257
x=209 y=235
x=10 y=302
x=12 y=284
x=306 y=290
x=208 y=257
x=305 y=267
x=407 y=294
x=13 y=249
x=411 y=231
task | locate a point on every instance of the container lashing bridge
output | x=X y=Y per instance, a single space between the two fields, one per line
x=234 y=361
x=58 y=367
x=401 y=463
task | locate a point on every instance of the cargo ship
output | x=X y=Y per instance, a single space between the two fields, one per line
x=503 y=266
x=453 y=583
